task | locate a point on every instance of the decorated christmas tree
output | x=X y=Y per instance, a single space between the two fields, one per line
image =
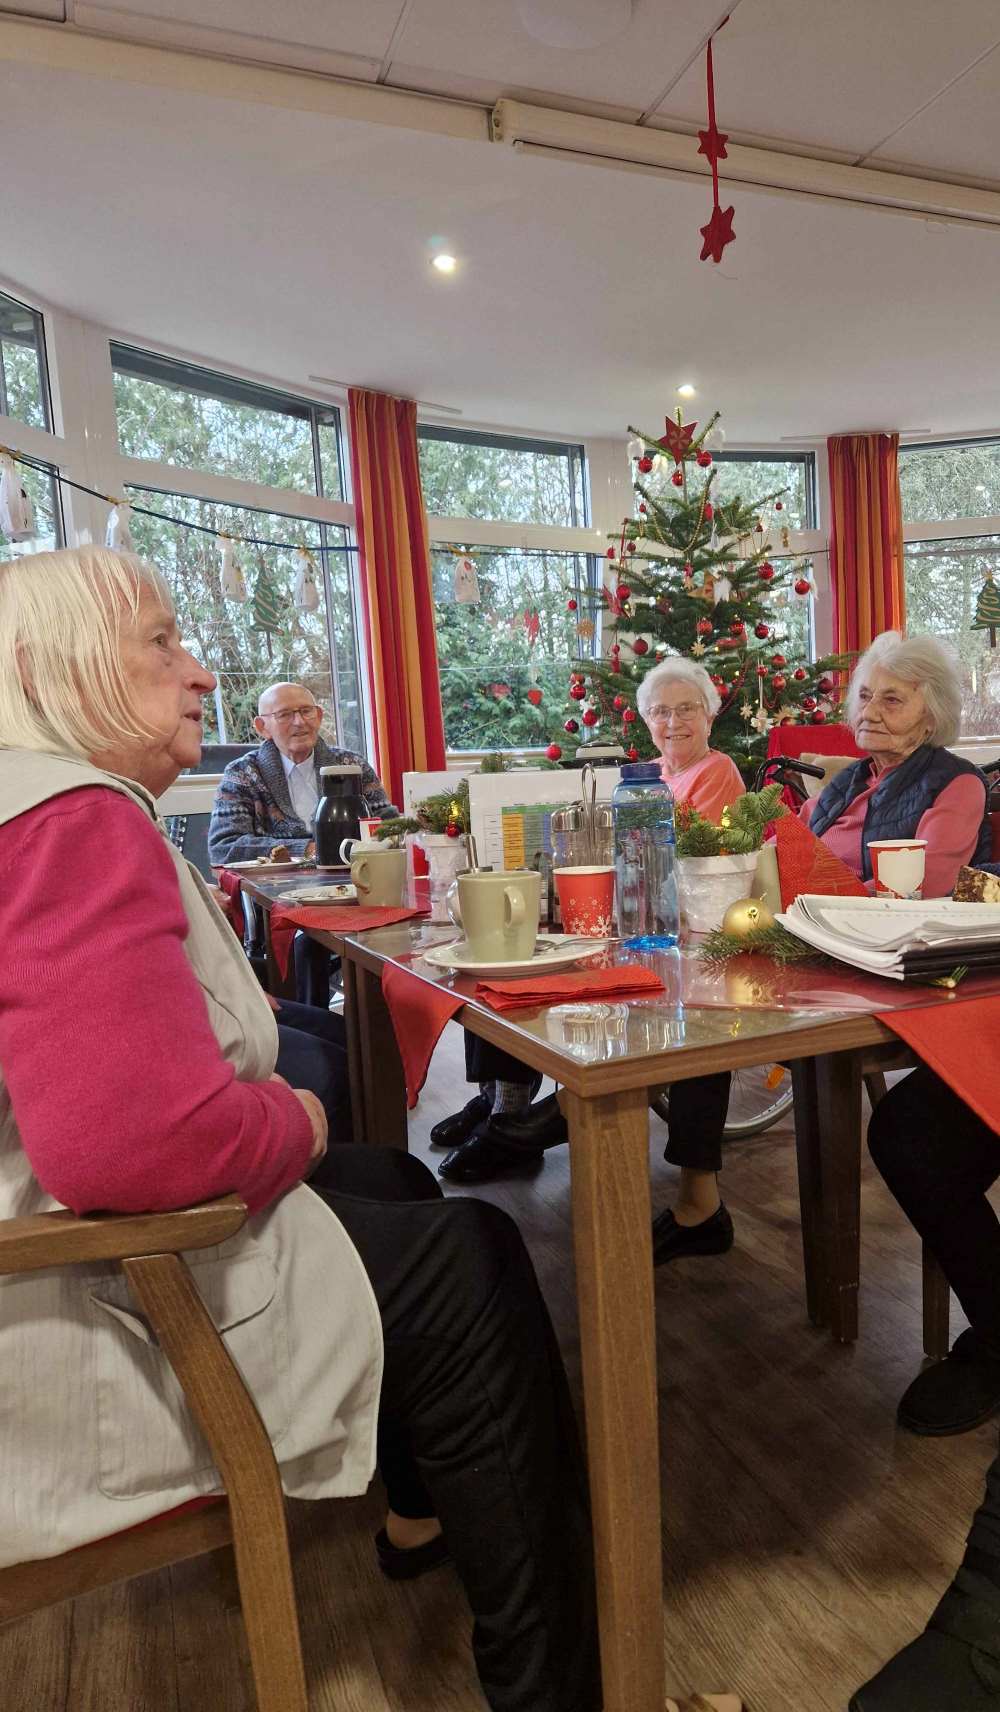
x=686 y=576
x=988 y=609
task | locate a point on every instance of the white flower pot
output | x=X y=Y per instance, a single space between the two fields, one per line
x=707 y=885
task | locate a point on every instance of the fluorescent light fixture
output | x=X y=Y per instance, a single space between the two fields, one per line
x=444 y=262
x=685 y=391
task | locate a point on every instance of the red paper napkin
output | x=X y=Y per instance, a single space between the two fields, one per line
x=957 y=1039
x=621 y=981
x=419 y=1011
x=232 y=885
x=806 y=865
x=330 y=918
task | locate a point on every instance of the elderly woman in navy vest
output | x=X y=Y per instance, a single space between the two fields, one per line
x=905 y=704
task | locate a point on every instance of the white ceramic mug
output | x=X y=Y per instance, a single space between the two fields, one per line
x=499 y=912
x=352 y=847
x=898 y=866
x=379 y=874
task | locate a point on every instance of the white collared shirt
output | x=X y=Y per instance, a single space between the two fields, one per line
x=302 y=789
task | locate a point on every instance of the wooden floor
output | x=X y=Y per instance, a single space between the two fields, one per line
x=805 y=1538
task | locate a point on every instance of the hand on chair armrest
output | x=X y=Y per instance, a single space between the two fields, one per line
x=62 y=1239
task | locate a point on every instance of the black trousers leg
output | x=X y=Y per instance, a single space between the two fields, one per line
x=939 y=1159
x=475 y=1391
x=312 y=971
x=312 y=1053
x=487 y=1063
x=698 y=1110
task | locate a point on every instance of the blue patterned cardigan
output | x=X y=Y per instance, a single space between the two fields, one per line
x=253 y=810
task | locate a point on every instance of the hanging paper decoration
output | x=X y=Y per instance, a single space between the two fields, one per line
x=118 y=534
x=988 y=609
x=17 y=514
x=466 y=582
x=305 y=594
x=723 y=589
x=234 y=585
x=532 y=625
x=712 y=144
x=266 y=612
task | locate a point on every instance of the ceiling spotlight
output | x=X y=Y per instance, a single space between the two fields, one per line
x=444 y=263
x=685 y=391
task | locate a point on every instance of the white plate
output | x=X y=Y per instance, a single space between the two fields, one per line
x=318 y=895
x=548 y=954
x=266 y=869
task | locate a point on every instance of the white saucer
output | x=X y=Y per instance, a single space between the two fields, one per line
x=336 y=894
x=548 y=954
x=266 y=869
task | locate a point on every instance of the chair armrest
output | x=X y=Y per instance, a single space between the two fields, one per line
x=61 y=1239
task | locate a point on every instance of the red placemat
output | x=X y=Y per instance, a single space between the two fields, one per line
x=232 y=885
x=330 y=918
x=958 y=1040
x=419 y=1011
x=619 y=981
x=806 y=865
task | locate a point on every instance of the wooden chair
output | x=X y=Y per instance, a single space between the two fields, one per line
x=251 y=1516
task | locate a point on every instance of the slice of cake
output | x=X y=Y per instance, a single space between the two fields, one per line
x=975 y=887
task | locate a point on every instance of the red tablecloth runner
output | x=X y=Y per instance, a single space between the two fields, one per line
x=232 y=885
x=330 y=918
x=419 y=1011
x=631 y=980
x=958 y=1039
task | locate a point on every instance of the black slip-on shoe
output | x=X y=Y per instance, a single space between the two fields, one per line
x=485 y=1156
x=954 y=1395
x=453 y=1130
x=540 y=1125
x=405 y=1564
x=672 y=1241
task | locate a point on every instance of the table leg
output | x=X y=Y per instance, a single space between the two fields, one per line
x=838 y=1091
x=810 y=1188
x=355 y=1072
x=609 y=1168
x=384 y=1098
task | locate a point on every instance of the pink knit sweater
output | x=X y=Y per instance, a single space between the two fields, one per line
x=122 y=1097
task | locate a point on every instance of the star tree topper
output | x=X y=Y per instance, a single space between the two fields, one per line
x=677 y=438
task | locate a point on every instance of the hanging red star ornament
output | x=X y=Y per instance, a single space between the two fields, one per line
x=677 y=438
x=718 y=232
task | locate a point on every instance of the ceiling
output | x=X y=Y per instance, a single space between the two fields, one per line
x=291 y=243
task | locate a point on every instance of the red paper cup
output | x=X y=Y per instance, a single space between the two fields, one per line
x=898 y=866
x=587 y=900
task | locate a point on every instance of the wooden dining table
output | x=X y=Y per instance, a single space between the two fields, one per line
x=819 y=1019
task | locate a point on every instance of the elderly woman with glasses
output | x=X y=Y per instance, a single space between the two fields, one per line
x=679 y=701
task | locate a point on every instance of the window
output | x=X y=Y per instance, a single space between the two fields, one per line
x=943 y=580
x=39 y=483
x=200 y=420
x=941 y=482
x=24 y=381
x=502 y=479
x=518 y=640
x=225 y=636
x=752 y=476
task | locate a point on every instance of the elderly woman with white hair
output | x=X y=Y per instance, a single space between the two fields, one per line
x=904 y=705
x=137 y=1057
x=678 y=702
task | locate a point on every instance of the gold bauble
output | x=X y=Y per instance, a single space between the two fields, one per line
x=745 y=916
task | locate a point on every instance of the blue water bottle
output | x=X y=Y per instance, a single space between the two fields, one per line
x=645 y=872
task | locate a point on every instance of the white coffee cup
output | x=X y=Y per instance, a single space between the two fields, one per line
x=379 y=874
x=499 y=912
x=352 y=847
x=898 y=866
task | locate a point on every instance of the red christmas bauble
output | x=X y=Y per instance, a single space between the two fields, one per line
x=799 y=674
x=644 y=464
x=704 y=459
x=737 y=628
x=618 y=703
x=809 y=702
x=633 y=753
x=642 y=509
x=623 y=592
x=577 y=691
x=778 y=682
x=717 y=681
x=535 y=698
x=571 y=606
x=762 y=672
x=704 y=627
x=590 y=716
x=630 y=716
x=708 y=514
x=571 y=726
x=762 y=631
x=779 y=505
x=825 y=686
x=611 y=552
x=678 y=478
x=778 y=660
x=452 y=830
x=801 y=586
x=688 y=573
x=766 y=573
x=553 y=752
x=631 y=546
x=819 y=717
x=640 y=645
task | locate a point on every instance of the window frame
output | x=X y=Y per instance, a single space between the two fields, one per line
x=781 y=455
x=573 y=450
x=43 y=369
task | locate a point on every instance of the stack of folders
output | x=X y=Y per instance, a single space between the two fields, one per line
x=906 y=939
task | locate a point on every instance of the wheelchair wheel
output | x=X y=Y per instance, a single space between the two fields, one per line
x=759 y=1098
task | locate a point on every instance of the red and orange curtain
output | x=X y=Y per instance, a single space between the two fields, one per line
x=395 y=566
x=866 y=539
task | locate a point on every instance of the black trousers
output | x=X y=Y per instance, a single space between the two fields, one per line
x=697 y=1119
x=476 y=1424
x=487 y=1063
x=939 y=1159
x=312 y=971
x=312 y=1053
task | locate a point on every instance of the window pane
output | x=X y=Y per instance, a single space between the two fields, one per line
x=518 y=638
x=24 y=391
x=222 y=633
x=202 y=421
x=752 y=479
x=38 y=483
x=501 y=480
x=943 y=581
x=939 y=482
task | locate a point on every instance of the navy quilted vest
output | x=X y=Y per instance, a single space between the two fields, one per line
x=897 y=804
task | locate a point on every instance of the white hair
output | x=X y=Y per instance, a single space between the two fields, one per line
x=925 y=661
x=678 y=670
x=62 y=683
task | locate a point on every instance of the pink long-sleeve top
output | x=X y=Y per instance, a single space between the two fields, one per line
x=709 y=785
x=121 y=1094
x=950 y=826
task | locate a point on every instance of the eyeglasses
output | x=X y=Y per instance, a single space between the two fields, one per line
x=687 y=710
x=285 y=715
